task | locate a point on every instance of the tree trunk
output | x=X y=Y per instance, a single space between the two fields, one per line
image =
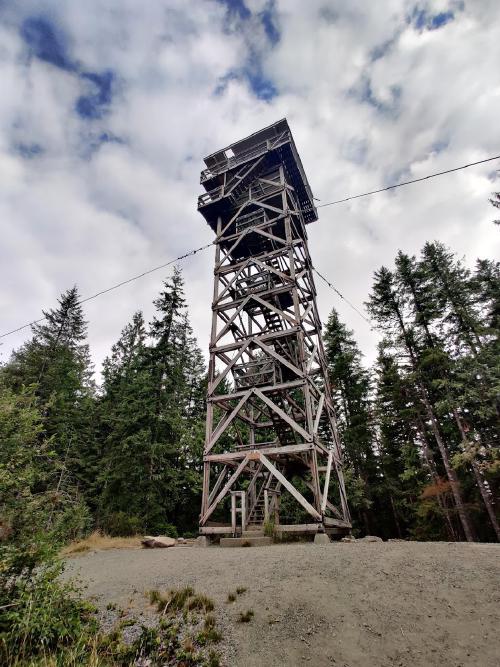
x=429 y=458
x=396 y=520
x=450 y=473
x=479 y=481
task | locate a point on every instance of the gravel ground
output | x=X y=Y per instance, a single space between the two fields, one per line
x=408 y=604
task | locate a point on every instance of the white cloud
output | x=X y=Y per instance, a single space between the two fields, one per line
x=370 y=93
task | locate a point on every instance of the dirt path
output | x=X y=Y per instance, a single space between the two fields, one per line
x=349 y=605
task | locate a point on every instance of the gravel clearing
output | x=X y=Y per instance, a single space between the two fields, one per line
x=408 y=604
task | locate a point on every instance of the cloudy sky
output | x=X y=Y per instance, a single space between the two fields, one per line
x=107 y=108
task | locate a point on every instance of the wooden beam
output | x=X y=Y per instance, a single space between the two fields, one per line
x=290 y=488
x=224 y=491
x=221 y=427
x=297 y=528
x=271 y=451
x=318 y=413
x=283 y=415
x=217 y=484
x=327 y=482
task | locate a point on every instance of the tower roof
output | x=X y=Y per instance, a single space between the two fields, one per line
x=275 y=137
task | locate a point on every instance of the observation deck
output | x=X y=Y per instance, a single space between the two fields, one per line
x=229 y=172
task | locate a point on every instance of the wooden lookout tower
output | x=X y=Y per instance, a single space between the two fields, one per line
x=272 y=451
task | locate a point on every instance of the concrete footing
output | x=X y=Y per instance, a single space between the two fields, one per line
x=202 y=541
x=321 y=538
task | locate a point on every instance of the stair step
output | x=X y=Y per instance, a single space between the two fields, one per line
x=252 y=533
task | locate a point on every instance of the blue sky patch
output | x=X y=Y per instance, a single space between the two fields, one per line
x=237 y=8
x=363 y=92
x=260 y=86
x=268 y=18
x=46 y=42
x=95 y=104
x=28 y=150
x=421 y=19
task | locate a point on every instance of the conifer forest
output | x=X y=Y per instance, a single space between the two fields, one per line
x=124 y=455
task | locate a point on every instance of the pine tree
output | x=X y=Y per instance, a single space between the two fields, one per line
x=153 y=420
x=495 y=201
x=351 y=388
x=387 y=307
x=402 y=474
x=57 y=362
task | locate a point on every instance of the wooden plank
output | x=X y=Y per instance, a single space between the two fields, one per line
x=285 y=449
x=283 y=415
x=297 y=527
x=222 y=375
x=216 y=530
x=290 y=488
x=217 y=485
x=224 y=491
x=327 y=482
x=318 y=413
x=339 y=523
x=222 y=427
x=221 y=398
x=279 y=358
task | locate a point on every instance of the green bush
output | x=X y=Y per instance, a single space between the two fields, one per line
x=39 y=613
x=120 y=524
x=170 y=530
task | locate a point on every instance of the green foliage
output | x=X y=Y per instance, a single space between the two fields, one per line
x=120 y=524
x=170 y=530
x=270 y=527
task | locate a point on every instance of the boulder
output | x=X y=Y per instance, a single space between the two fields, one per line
x=158 y=542
x=348 y=538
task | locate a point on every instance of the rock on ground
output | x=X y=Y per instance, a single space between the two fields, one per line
x=158 y=542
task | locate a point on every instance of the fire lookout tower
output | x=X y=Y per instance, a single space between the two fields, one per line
x=271 y=427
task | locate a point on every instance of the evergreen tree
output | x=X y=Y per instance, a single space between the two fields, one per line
x=387 y=307
x=402 y=474
x=495 y=201
x=351 y=388
x=153 y=420
x=56 y=361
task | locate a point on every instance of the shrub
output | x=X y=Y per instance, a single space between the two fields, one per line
x=170 y=531
x=246 y=617
x=120 y=524
x=40 y=614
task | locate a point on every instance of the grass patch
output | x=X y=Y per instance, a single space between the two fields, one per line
x=231 y=597
x=209 y=634
x=246 y=616
x=213 y=659
x=97 y=541
x=241 y=589
x=200 y=603
x=181 y=600
x=172 y=601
